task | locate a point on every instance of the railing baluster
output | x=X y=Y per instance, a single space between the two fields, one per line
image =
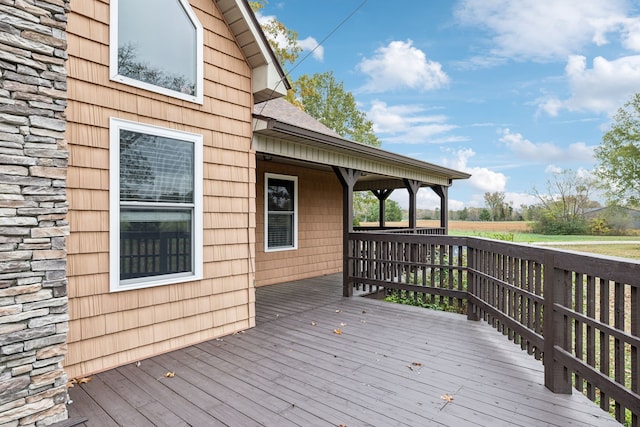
x=578 y=332
x=591 y=334
x=604 y=338
x=634 y=307
x=618 y=345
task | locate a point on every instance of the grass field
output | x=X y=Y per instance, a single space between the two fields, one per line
x=519 y=231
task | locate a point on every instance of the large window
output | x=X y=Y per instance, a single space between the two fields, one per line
x=281 y=212
x=155 y=206
x=157 y=45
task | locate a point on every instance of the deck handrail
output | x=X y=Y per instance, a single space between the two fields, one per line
x=578 y=313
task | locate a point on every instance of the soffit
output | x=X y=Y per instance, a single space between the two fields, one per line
x=269 y=77
x=290 y=144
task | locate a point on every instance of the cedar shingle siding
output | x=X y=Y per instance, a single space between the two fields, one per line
x=108 y=329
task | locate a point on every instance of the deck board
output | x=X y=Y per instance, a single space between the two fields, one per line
x=389 y=367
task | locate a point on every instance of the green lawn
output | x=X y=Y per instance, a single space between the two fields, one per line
x=623 y=250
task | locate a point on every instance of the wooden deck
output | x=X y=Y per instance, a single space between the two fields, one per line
x=390 y=366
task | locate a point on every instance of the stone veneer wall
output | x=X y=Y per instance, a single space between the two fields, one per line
x=33 y=212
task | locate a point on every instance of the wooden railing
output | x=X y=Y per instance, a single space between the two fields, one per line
x=404 y=230
x=145 y=254
x=579 y=314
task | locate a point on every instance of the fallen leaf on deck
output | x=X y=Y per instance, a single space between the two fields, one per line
x=170 y=374
x=416 y=363
x=84 y=380
x=338 y=311
x=364 y=311
x=343 y=324
x=337 y=331
x=313 y=323
x=138 y=363
x=72 y=383
x=447 y=397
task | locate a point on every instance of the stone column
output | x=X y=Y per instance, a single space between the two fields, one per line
x=33 y=212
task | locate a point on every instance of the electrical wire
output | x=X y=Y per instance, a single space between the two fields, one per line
x=321 y=43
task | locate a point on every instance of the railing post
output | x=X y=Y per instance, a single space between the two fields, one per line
x=472 y=309
x=557 y=377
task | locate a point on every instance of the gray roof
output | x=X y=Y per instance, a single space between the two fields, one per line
x=283 y=131
x=285 y=112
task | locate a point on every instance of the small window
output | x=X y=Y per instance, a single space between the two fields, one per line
x=156 y=206
x=281 y=212
x=157 y=46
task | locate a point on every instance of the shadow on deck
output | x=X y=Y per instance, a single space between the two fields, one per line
x=390 y=365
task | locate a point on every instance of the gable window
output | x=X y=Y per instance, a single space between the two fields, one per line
x=281 y=212
x=157 y=46
x=155 y=206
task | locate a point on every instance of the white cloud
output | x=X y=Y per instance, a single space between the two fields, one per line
x=483 y=179
x=409 y=124
x=601 y=89
x=308 y=44
x=543 y=30
x=520 y=199
x=553 y=169
x=425 y=199
x=545 y=151
x=311 y=45
x=400 y=65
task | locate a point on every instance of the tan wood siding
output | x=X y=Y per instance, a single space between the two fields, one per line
x=109 y=329
x=319 y=249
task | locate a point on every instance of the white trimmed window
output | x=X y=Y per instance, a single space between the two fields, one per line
x=157 y=46
x=281 y=212
x=155 y=206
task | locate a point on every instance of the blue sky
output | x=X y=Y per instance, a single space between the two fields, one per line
x=509 y=91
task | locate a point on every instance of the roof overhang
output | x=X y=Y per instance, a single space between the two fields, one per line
x=383 y=169
x=268 y=79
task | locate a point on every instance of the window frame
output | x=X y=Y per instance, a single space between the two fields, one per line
x=294 y=179
x=196 y=273
x=198 y=98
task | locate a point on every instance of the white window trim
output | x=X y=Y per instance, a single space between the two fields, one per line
x=113 y=58
x=115 y=285
x=266 y=212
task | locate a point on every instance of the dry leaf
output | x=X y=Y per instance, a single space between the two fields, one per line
x=338 y=311
x=364 y=312
x=84 y=380
x=416 y=363
x=313 y=323
x=447 y=397
x=337 y=331
x=138 y=363
x=343 y=324
x=170 y=374
x=72 y=383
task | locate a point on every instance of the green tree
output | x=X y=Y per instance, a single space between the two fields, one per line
x=325 y=98
x=485 y=215
x=496 y=205
x=464 y=214
x=392 y=213
x=563 y=204
x=283 y=41
x=619 y=156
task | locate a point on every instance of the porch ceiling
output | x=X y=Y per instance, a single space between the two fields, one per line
x=313 y=145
